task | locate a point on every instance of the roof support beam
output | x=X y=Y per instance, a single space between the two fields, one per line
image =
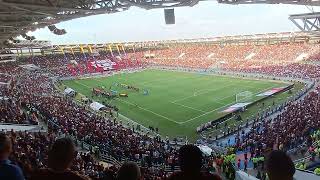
x=29 y=7
x=306 y=22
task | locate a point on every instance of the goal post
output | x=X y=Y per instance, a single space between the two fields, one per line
x=243 y=96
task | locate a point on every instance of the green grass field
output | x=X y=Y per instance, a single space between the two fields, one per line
x=178 y=102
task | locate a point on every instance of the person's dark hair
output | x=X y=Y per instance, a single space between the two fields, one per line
x=129 y=171
x=4 y=143
x=3 y=140
x=190 y=158
x=279 y=166
x=61 y=154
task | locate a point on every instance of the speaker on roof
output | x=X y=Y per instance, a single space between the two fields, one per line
x=169 y=16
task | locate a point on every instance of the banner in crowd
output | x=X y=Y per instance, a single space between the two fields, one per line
x=106 y=65
x=30 y=67
x=69 y=91
x=271 y=91
x=235 y=107
x=97 y=106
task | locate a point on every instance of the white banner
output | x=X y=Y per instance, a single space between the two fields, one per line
x=96 y=106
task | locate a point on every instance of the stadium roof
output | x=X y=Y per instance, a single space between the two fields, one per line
x=17 y=17
x=21 y=16
x=296 y=2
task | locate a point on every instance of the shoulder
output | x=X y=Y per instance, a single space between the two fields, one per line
x=175 y=175
x=13 y=170
x=46 y=173
x=76 y=176
x=39 y=174
x=211 y=176
x=201 y=176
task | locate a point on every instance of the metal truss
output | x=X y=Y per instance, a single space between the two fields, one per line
x=21 y=16
x=306 y=22
x=296 y=2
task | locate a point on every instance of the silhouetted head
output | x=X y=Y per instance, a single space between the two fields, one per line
x=190 y=159
x=279 y=166
x=129 y=171
x=61 y=154
x=5 y=146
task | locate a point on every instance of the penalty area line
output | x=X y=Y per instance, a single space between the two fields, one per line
x=222 y=106
x=138 y=107
x=206 y=113
x=150 y=111
x=206 y=91
x=83 y=84
x=188 y=107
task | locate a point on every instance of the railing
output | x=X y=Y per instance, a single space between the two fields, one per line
x=109 y=159
x=302 y=159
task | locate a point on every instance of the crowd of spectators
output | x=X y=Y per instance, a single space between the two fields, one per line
x=211 y=55
x=287 y=130
x=28 y=102
x=30 y=152
x=293 y=126
x=41 y=101
x=276 y=60
x=293 y=70
x=80 y=63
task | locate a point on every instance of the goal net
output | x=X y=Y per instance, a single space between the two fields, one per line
x=244 y=96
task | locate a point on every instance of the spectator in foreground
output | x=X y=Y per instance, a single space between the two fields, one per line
x=7 y=169
x=61 y=155
x=280 y=166
x=190 y=160
x=129 y=171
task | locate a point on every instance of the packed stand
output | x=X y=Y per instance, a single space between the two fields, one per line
x=41 y=101
x=287 y=130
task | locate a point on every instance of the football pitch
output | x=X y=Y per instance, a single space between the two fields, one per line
x=177 y=102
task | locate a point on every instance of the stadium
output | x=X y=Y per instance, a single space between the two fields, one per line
x=223 y=107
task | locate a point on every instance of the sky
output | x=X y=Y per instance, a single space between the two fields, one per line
x=206 y=19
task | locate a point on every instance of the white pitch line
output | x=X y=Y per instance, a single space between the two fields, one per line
x=98 y=79
x=224 y=105
x=150 y=111
x=83 y=84
x=221 y=103
x=187 y=107
x=154 y=81
x=170 y=79
x=183 y=105
x=215 y=89
x=206 y=113
x=221 y=107
x=206 y=90
x=138 y=106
